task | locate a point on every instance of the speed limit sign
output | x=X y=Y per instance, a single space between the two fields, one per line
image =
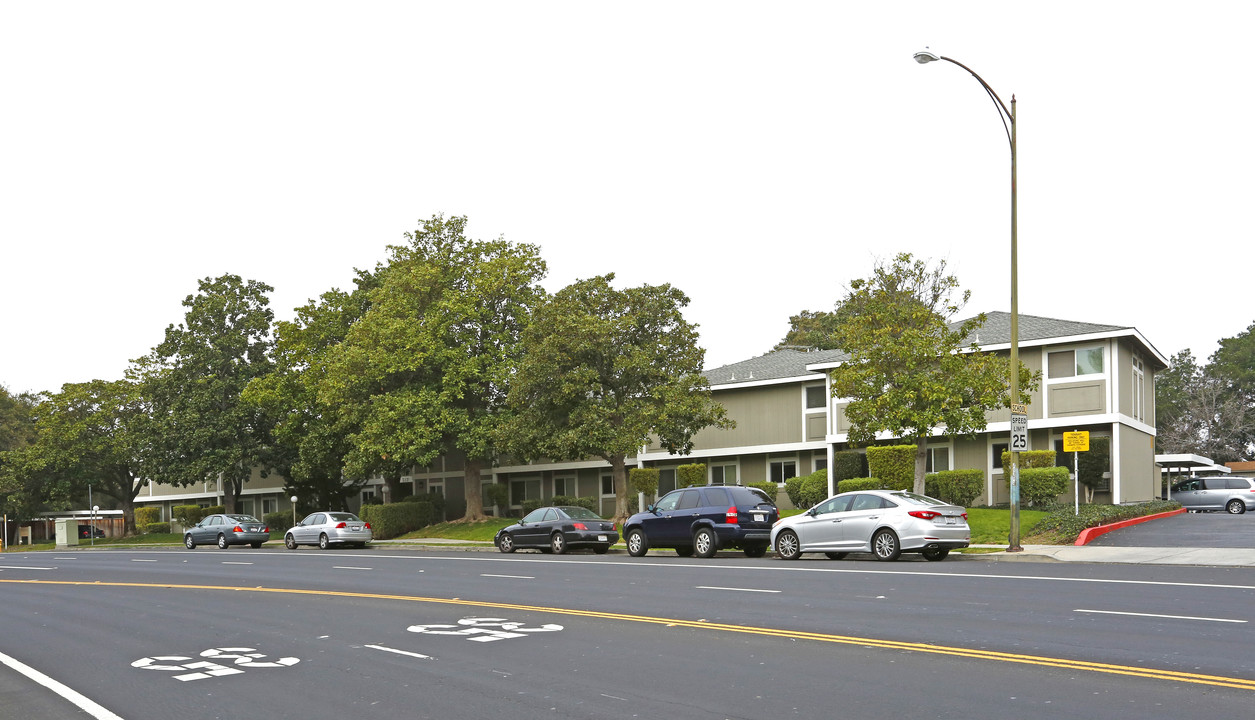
x=1019 y=428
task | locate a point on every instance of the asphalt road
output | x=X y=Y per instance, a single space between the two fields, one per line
x=389 y=633
x=1204 y=529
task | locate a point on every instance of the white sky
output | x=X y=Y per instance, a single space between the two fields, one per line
x=757 y=155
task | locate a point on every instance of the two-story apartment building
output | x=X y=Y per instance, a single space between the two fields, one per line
x=1098 y=378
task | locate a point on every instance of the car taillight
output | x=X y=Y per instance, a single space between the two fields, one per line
x=730 y=515
x=237 y=529
x=341 y=526
x=580 y=526
x=367 y=525
x=924 y=514
x=964 y=517
x=266 y=529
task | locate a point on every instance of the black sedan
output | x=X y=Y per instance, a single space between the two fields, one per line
x=557 y=529
x=227 y=530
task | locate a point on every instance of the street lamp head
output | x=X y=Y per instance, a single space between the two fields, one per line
x=924 y=57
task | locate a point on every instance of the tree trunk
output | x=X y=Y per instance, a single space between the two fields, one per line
x=474 y=492
x=392 y=484
x=921 y=463
x=618 y=471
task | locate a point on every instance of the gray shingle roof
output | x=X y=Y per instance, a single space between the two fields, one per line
x=791 y=363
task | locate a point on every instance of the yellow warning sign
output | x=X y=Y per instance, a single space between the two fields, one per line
x=1076 y=441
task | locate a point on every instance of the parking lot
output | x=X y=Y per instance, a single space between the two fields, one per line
x=1197 y=530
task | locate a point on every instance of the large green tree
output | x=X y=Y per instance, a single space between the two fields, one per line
x=910 y=373
x=1202 y=410
x=17 y=432
x=811 y=329
x=426 y=369
x=92 y=434
x=604 y=370
x=201 y=430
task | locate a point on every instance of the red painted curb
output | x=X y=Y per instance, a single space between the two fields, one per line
x=1091 y=533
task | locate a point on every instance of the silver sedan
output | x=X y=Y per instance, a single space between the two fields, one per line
x=325 y=529
x=885 y=523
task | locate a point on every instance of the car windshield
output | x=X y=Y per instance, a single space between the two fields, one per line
x=580 y=513
x=243 y=518
x=347 y=517
x=915 y=499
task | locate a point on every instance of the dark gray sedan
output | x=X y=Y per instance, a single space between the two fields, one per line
x=227 y=530
x=555 y=529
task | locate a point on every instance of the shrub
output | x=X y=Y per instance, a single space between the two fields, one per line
x=793 y=489
x=690 y=475
x=644 y=481
x=145 y=516
x=498 y=495
x=815 y=488
x=852 y=484
x=393 y=519
x=894 y=464
x=848 y=464
x=1041 y=484
x=213 y=510
x=279 y=521
x=960 y=487
x=584 y=502
x=1065 y=524
x=1028 y=459
x=157 y=527
x=187 y=515
x=435 y=500
x=770 y=488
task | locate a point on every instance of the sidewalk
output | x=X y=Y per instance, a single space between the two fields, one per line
x=1222 y=557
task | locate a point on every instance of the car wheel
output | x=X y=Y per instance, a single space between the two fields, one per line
x=323 y=543
x=885 y=545
x=557 y=543
x=788 y=547
x=189 y=542
x=1235 y=507
x=601 y=549
x=936 y=555
x=637 y=543
x=222 y=542
x=255 y=545
x=705 y=543
x=835 y=556
x=289 y=541
x=505 y=543
x=684 y=551
x=755 y=550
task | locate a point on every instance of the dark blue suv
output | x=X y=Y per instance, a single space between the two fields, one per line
x=703 y=520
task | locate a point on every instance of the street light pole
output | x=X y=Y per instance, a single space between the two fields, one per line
x=1007 y=115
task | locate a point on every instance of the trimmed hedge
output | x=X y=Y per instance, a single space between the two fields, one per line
x=772 y=489
x=394 y=519
x=1028 y=459
x=815 y=488
x=793 y=490
x=690 y=475
x=279 y=521
x=848 y=464
x=959 y=487
x=434 y=499
x=894 y=464
x=1064 y=524
x=157 y=527
x=852 y=484
x=644 y=480
x=188 y=515
x=1040 y=484
x=145 y=516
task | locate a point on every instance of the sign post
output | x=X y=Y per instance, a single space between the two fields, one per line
x=1076 y=443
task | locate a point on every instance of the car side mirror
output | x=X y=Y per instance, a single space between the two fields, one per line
x=652 y=509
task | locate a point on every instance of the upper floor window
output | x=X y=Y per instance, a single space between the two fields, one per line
x=1139 y=389
x=816 y=397
x=1072 y=363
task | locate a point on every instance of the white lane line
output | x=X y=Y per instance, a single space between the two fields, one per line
x=349 y=567
x=235 y=562
x=88 y=706
x=513 y=577
x=65 y=558
x=1170 y=617
x=399 y=652
x=24 y=567
x=139 y=560
x=713 y=587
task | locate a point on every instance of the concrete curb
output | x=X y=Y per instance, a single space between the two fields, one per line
x=1090 y=533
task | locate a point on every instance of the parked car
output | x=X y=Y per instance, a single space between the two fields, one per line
x=325 y=529
x=227 y=530
x=883 y=522
x=86 y=532
x=1232 y=494
x=703 y=520
x=558 y=528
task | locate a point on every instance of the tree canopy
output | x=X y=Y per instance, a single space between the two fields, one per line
x=603 y=371
x=911 y=373
x=1202 y=410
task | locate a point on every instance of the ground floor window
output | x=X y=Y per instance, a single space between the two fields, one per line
x=819 y=463
x=269 y=505
x=524 y=489
x=565 y=486
x=666 y=481
x=938 y=459
x=723 y=474
x=782 y=470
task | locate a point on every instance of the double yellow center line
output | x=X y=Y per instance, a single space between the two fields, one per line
x=1126 y=670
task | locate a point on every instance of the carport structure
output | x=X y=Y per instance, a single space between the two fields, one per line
x=1185 y=465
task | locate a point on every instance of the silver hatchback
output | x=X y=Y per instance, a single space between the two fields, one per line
x=1232 y=494
x=325 y=529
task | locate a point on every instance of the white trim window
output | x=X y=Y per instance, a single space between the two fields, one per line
x=723 y=474
x=1076 y=363
x=565 y=485
x=607 y=485
x=782 y=469
x=1139 y=389
x=938 y=458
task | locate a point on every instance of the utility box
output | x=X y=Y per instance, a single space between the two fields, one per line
x=67 y=532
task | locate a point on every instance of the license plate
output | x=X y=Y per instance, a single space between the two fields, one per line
x=355 y=528
x=601 y=538
x=759 y=517
x=951 y=520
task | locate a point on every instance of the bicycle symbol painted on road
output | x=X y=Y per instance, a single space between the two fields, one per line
x=484 y=629
x=244 y=657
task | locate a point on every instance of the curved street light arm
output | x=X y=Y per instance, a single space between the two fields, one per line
x=1003 y=113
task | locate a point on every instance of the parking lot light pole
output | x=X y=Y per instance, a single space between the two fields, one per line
x=1007 y=116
